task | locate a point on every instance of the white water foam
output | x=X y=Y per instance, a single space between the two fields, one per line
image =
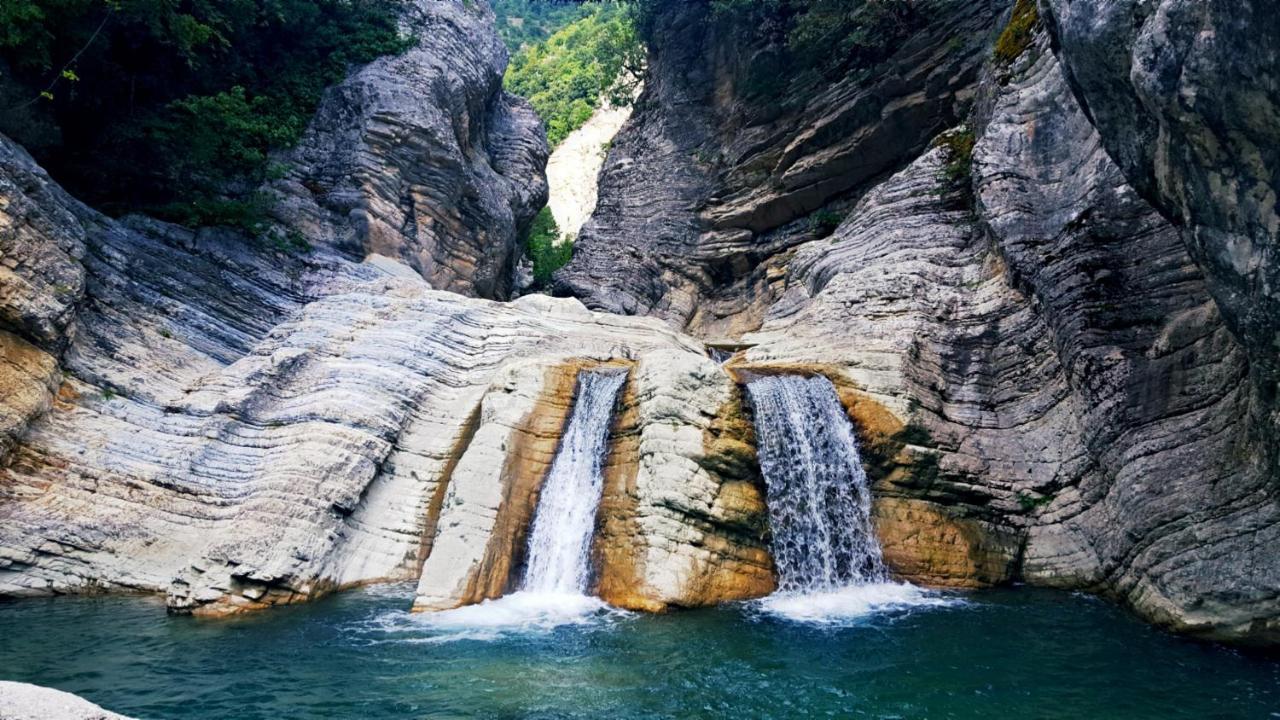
x=553 y=591
x=852 y=604
x=830 y=567
x=518 y=614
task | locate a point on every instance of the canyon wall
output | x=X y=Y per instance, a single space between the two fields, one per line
x=423 y=157
x=1075 y=401
x=236 y=424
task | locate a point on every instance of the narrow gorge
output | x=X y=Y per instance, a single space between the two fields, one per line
x=945 y=327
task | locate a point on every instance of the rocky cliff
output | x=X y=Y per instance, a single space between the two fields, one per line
x=422 y=157
x=196 y=413
x=711 y=180
x=1075 y=397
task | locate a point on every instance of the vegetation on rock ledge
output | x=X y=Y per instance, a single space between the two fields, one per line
x=1018 y=34
x=546 y=247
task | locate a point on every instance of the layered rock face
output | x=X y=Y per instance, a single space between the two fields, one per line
x=1185 y=98
x=239 y=430
x=422 y=157
x=192 y=413
x=703 y=186
x=1068 y=395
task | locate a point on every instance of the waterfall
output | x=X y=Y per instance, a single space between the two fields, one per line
x=819 y=500
x=559 y=547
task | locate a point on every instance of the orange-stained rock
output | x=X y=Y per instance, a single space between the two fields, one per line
x=479 y=544
x=683 y=521
x=928 y=544
x=28 y=379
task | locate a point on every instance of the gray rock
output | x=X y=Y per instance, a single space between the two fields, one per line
x=1184 y=94
x=1062 y=352
x=41 y=243
x=424 y=158
x=705 y=184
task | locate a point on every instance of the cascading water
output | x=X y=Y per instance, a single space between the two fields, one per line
x=560 y=538
x=827 y=556
x=553 y=591
x=819 y=502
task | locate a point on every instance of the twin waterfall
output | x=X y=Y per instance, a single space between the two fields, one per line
x=559 y=560
x=819 y=501
x=824 y=547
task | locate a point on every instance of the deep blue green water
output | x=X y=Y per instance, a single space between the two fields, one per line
x=997 y=654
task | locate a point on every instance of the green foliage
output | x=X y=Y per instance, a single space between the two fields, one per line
x=546 y=247
x=824 y=222
x=958 y=145
x=1018 y=34
x=1028 y=503
x=527 y=22
x=243 y=213
x=134 y=104
x=566 y=76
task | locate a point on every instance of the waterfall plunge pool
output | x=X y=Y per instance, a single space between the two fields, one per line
x=1018 y=653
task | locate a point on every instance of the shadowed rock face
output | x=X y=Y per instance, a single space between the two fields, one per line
x=703 y=187
x=1184 y=95
x=422 y=157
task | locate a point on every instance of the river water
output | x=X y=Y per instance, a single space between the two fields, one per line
x=1009 y=654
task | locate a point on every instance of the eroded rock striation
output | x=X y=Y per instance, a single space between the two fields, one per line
x=424 y=158
x=192 y=413
x=1048 y=377
x=709 y=177
x=237 y=430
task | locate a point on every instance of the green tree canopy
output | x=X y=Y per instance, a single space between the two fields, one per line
x=139 y=103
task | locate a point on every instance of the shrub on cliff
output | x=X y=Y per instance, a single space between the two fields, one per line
x=546 y=248
x=138 y=104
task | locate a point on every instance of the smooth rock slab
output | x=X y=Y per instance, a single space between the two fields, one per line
x=20 y=701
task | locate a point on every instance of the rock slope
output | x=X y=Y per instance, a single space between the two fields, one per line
x=20 y=701
x=238 y=430
x=197 y=414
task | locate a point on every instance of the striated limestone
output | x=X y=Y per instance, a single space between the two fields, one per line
x=684 y=515
x=238 y=429
x=708 y=183
x=424 y=158
x=1184 y=96
x=480 y=536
